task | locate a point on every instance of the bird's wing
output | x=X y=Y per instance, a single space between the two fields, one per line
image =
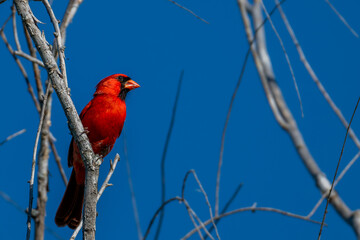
x=71 y=147
x=70 y=153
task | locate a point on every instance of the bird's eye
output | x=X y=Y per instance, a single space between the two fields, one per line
x=123 y=79
x=120 y=78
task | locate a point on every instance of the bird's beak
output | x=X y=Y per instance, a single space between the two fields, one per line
x=131 y=84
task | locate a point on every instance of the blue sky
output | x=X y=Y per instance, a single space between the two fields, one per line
x=153 y=41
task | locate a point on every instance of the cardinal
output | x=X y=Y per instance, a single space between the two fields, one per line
x=103 y=119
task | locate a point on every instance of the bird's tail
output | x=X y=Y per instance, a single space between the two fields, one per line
x=70 y=209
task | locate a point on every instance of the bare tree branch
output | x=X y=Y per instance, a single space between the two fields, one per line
x=157 y=213
x=70 y=12
x=102 y=189
x=43 y=167
x=217 y=190
x=59 y=43
x=316 y=79
x=283 y=114
x=35 y=66
x=341 y=175
x=30 y=58
x=342 y=19
x=189 y=11
x=75 y=125
x=194 y=216
x=131 y=186
x=286 y=57
x=337 y=168
x=22 y=69
x=58 y=162
x=204 y=193
x=16 y=36
x=31 y=182
x=252 y=209
x=227 y=205
x=20 y=209
x=12 y=136
x=162 y=167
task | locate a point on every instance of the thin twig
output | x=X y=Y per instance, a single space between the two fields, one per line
x=69 y=14
x=36 y=69
x=30 y=58
x=205 y=195
x=16 y=36
x=101 y=191
x=43 y=168
x=59 y=42
x=286 y=57
x=13 y=136
x=157 y=212
x=34 y=161
x=107 y=179
x=252 y=209
x=131 y=186
x=342 y=19
x=314 y=77
x=167 y=141
x=6 y=21
x=189 y=11
x=217 y=191
x=58 y=162
x=8 y=199
x=75 y=125
x=194 y=216
x=12 y=202
x=284 y=116
x=22 y=69
x=341 y=175
x=337 y=168
x=227 y=205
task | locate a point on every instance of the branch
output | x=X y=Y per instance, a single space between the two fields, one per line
x=286 y=120
x=12 y=136
x=193 y=215
x=217 y=191
x=205 y=195
x=22 y=69
x=59 y=43
x=227 y=205
x=30 y=58
x=35 y=66
x=286 y=56
x=157 y=213
x=43 y=167
x=16 y=36
x=314 y=77
x=70 y=12
x=101 y=191
x=342 y=19
x=189 y=11
x=20 y=209
x=76 y=128
x=337 y=168
x=252 y=209
x=133 y=198
x=341 y=175
x=162 y=167
x=31 y=182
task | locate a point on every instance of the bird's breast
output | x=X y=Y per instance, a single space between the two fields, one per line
x=104 y=120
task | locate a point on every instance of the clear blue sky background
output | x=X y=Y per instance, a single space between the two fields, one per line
x=152 y=41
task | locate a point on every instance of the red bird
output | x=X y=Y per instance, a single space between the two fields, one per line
x=103 y=119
